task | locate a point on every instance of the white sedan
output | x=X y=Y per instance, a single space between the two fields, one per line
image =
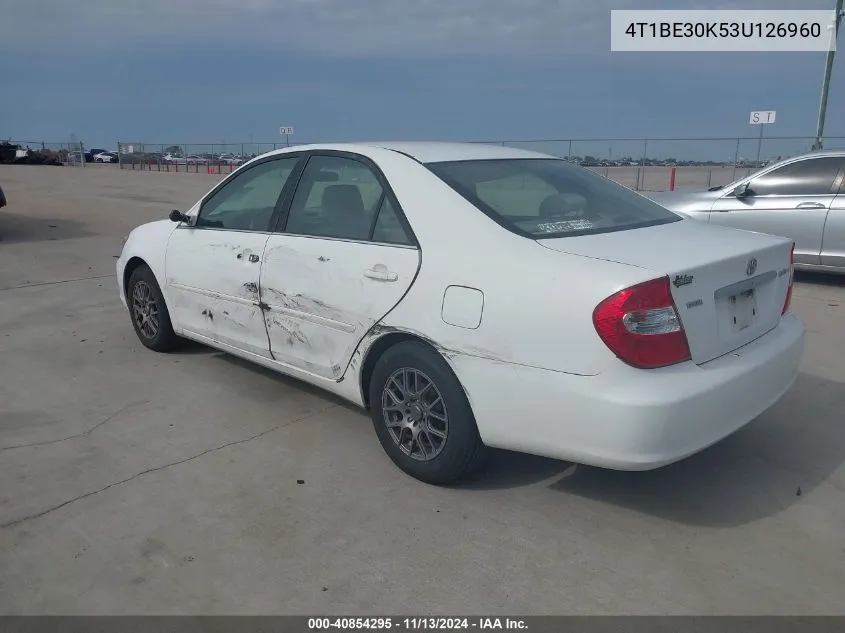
x=105 y=157
x=473 y=296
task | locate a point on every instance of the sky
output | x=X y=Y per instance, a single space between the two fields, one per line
x=209 y=71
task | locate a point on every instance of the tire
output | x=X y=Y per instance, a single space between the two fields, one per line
x=153 y=328
x=450 y=458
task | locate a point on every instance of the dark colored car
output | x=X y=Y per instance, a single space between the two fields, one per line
x=91 y=153
x=2 y=198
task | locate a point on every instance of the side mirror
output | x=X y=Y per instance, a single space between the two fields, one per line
x=177 y=216
x=742 y=191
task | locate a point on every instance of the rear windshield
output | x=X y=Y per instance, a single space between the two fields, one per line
x=544 y=198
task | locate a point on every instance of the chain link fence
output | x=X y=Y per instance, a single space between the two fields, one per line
x=41 y=153
x=645 y=164
x=659 y=164
x=207 y=158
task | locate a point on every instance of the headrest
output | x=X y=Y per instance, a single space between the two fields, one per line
x=562 y=204
x=343 y=199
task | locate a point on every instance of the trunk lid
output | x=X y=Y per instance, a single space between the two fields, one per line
x=729 y=285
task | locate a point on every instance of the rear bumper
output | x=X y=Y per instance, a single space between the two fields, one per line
x=630 y=419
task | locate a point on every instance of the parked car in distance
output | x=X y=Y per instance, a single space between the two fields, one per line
x=607 y=330
x=106 y=157
x=196 y=160
x=229 y=159
x=174 y=159
x=802 y=198
x=90 y=154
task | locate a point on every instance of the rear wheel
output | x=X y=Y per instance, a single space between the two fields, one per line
x=422 y=416
x=149 y=313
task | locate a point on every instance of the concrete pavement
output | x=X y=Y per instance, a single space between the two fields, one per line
x=138 y=483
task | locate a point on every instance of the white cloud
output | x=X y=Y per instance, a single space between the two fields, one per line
x=417 y=28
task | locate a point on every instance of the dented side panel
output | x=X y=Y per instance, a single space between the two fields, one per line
x=320 y=302
x=212 y=286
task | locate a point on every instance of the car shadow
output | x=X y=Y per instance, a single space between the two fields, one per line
x=16 y=229
x=503 y=469
x=820 y=279
x=193 y=348
x=508 y=469
x=758 y=472
x=293 y=383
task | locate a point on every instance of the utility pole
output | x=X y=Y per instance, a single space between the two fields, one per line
x=817 y=145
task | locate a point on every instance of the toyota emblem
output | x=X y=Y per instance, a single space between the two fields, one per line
x=751 y=267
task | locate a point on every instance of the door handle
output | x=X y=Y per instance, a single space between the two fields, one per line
x=380 y=273
x=810 y=205
x=253 y=258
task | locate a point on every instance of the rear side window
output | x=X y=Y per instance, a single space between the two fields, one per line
x=388 y=228
x=544 y=198
x=336 y=197
x=809 y=177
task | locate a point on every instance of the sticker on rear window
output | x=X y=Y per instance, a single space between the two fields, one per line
x=565 y=225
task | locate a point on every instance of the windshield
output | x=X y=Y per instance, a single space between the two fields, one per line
x=545 y=198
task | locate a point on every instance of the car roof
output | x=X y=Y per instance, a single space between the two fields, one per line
x=820 y=153
x=428 y=151
x=826 y=152
x=834 y=153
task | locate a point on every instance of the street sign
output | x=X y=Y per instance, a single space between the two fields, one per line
x=286 y=131
x=762 y=117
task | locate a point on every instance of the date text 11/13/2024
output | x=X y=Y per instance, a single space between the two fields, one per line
x=417 y=623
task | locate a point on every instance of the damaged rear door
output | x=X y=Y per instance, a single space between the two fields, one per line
x=344 y=256
x=213 y=265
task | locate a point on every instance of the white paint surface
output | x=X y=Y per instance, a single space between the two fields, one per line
x=535 y=356
x=462 y=306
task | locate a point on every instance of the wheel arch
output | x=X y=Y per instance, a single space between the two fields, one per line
x=132 y=265
x=385 y=341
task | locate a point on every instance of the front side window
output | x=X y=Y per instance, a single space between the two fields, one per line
x=809 y=177
x=248 y=200
x=544 y=198
x=336 y=197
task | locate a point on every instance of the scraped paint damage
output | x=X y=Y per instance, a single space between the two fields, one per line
x=305 y=304
x=289 y=327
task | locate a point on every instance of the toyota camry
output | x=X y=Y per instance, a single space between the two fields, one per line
x=473 y=296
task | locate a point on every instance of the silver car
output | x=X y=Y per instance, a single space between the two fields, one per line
x=802 y=198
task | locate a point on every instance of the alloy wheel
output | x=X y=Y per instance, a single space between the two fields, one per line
x=145 y=309
x=415 y=414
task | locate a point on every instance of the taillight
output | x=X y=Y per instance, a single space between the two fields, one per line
x=641 y=325
x=791 y=279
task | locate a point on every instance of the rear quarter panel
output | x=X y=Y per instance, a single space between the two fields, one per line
x=538 y=303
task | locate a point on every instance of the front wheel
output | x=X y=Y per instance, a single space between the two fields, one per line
x=422 y=416
x=149 y=313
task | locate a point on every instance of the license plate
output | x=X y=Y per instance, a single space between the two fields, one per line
x=743 y=308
